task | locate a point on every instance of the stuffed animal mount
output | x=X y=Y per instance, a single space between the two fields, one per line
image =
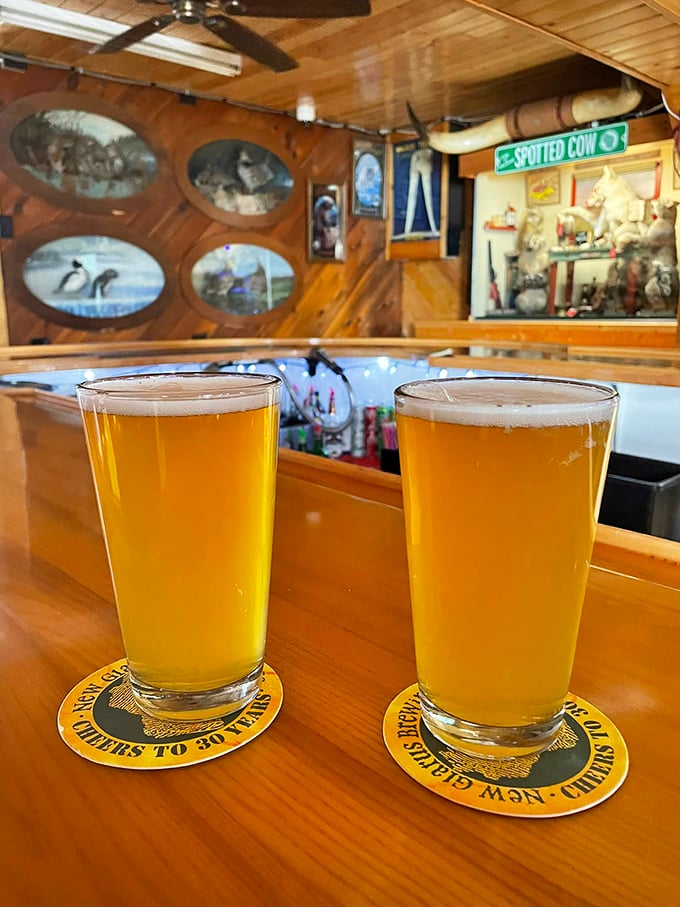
x=614 y=214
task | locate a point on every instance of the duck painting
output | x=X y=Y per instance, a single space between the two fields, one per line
x=75 y=279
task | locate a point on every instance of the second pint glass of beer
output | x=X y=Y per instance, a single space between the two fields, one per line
x=502 y=481
x=184 y=468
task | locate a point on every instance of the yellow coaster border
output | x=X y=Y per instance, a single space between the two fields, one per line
x=585 y=766
x=99 y=721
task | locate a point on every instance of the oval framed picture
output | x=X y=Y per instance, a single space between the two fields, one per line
x=79 y=152
x=89 y=280
x=368 y=179
x=236 y=277
x=240 y=179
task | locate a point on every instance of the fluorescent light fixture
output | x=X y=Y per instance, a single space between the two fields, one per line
x=58 y=21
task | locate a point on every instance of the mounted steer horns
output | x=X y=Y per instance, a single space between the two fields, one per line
x=536 y=119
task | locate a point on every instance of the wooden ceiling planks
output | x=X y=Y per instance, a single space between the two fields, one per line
x=464 y=58
x=616 y=33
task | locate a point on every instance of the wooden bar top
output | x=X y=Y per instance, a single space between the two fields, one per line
x=314 y=811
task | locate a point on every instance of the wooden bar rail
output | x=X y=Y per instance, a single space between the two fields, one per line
x=313 y=812
x=455 y=346
x=567 y=332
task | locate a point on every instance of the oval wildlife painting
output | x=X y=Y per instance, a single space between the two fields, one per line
x=240 y=177
x=93 y=276
x=83 y=154
x=241 y=279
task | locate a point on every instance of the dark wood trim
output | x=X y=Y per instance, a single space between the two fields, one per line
x=214 y=241
x=72 y=100
x=236 y=133
x=16 y=254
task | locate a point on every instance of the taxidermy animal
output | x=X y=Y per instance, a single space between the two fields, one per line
x=612 y=209
x=532 y=262
x=662 y=288
x=531 y=243
x=74 y=280
x=101 y=283
x=571 y=224
x=661 y=233
x=535 y=119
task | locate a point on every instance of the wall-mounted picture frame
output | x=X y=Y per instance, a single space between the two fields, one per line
x=89 y=279
x=326 y=222
x=418 y=201
x=237 y=278
x=543 y=187
x=368 y=179
x=80 y=153
x=243 y=178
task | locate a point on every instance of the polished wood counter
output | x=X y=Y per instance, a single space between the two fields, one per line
x=315 y=811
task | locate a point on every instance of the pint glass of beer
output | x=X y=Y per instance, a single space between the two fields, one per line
x=184 y=469
x=502 y=482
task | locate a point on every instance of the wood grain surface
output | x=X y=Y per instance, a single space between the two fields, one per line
x=313 y=812
x=583 y=333
x=358 y=297
x=362 y=70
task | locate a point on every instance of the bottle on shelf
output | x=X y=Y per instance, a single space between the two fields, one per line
x=510 y=216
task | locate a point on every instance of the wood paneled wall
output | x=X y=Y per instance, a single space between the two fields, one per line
x=359 y=297
x=434 y=291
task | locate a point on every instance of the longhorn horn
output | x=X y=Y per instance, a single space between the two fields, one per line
x=537 y=118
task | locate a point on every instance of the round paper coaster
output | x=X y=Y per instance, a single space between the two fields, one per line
x=587 y=763
x=100 y=721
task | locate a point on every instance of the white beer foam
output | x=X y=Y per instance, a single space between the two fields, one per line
x=505 y=403
x=178 y=394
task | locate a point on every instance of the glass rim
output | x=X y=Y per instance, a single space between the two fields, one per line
x=609 y=394
x=98 y=386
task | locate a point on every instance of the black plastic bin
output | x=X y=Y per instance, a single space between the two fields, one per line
x=643 y=495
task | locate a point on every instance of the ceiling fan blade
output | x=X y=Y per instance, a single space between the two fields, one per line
x=298 y=9
x=247 y=42
x=134 y=35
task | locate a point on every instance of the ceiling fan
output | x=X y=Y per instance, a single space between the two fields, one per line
x=239 y=37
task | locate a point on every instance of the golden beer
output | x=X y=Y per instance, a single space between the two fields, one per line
x=502 y=481
x=185 y=469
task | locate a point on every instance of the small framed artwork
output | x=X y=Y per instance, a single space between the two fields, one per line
x=368 y=179
x=543 y=187
x=326 y=222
